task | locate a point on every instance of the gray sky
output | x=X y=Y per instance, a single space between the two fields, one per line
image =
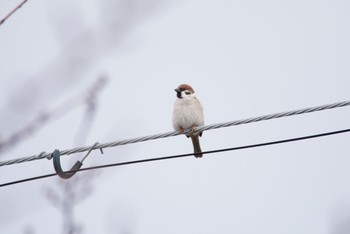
x=243 y=58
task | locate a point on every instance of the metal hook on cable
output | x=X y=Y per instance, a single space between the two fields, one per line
x=57 y=163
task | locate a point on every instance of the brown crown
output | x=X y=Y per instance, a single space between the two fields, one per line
x=186 y=87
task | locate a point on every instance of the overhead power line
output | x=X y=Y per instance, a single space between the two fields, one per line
x=181 y=156
x=44 y=155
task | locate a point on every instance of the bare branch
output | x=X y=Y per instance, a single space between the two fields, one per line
x=12 y=12
x=53 y=197
x=53 y=114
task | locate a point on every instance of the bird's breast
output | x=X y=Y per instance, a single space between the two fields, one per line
x=187 y=113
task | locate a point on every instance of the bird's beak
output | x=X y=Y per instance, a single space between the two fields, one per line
x=178 y=93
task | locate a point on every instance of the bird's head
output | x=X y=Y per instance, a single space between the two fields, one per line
x=184 y=90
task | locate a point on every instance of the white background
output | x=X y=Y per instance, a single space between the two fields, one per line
x=243 y=59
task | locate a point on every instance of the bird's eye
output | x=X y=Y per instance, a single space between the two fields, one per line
x=187 y=92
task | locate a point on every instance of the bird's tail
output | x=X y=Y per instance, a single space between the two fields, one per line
x=196 y=146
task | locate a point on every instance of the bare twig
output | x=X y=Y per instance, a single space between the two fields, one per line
x=12 y=12
x=77 y=189
x=50 y=115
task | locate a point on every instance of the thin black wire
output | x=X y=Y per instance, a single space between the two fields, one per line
x=183 y=155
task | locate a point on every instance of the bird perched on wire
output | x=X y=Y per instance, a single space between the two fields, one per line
x=188 y=114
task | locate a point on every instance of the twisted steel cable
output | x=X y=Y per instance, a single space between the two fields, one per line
x=175 y=133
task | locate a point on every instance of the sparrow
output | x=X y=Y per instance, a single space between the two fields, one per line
x=188 y=114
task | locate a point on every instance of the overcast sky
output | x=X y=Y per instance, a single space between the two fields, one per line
x=243 y=59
